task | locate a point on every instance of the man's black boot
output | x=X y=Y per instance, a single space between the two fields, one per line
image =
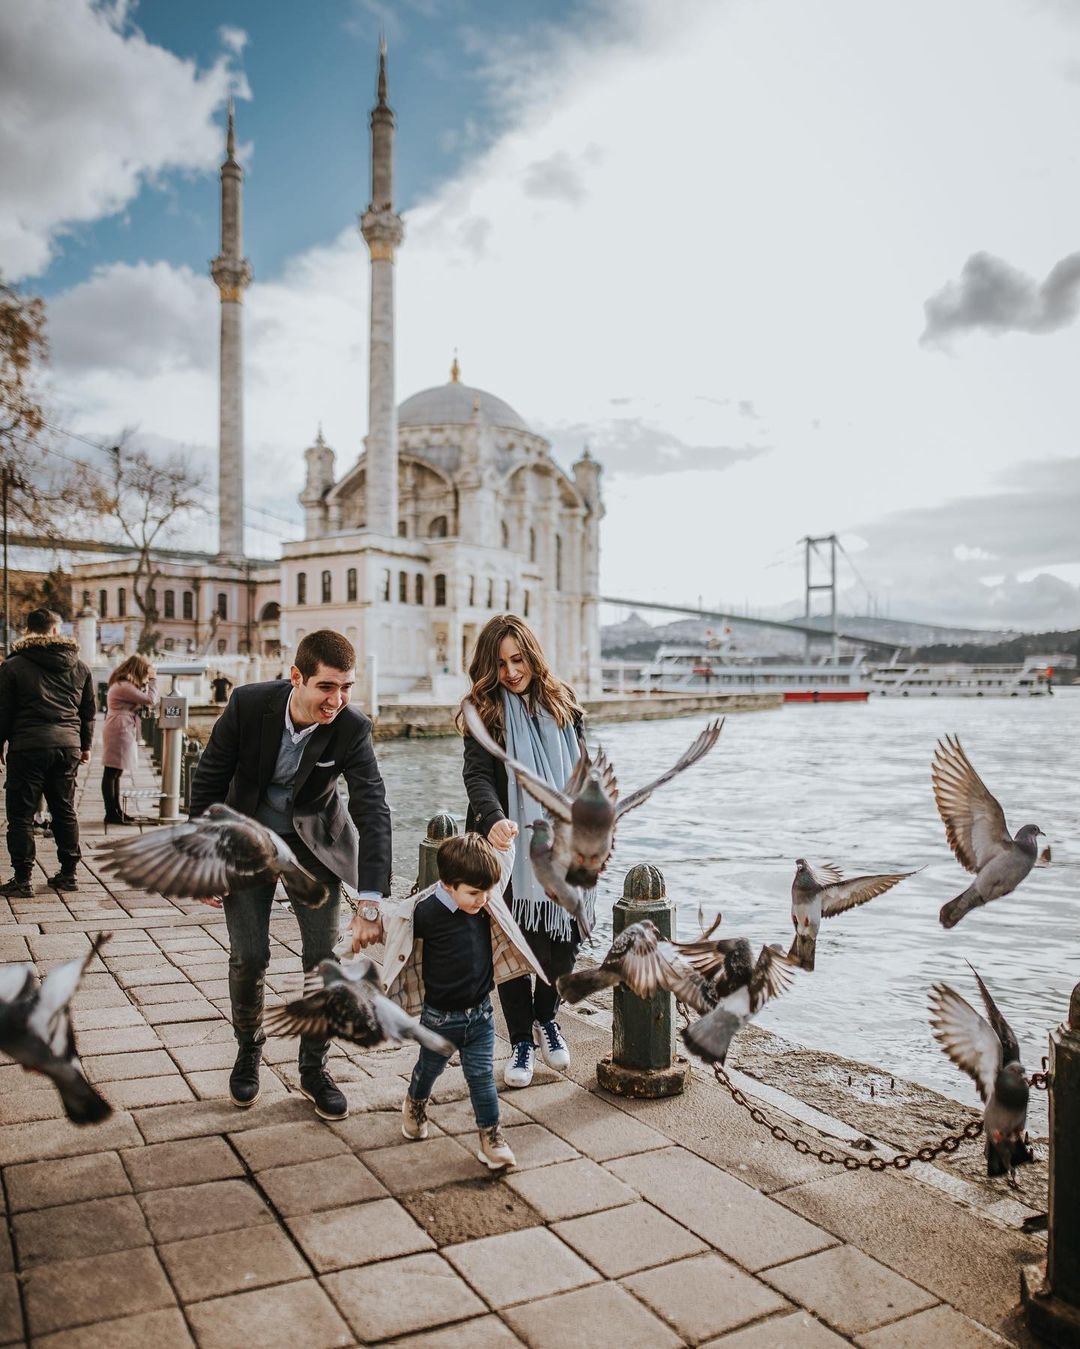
x=64 y=880
x=244 y=1085
x=19 y=887
x=319 y=1087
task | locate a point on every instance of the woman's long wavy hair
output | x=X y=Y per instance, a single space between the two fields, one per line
x=136 y=670
x=545 y=690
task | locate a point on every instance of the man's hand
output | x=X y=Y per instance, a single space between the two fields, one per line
x=212 y=901
x=365 y=933
x=502 y=834
x=84 y=757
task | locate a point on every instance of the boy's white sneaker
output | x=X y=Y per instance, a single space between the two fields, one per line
x=494 y=1150
x=555 y=1050
x=519 y=1066
x=414 y=1118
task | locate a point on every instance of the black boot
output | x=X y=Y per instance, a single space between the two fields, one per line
x=244 y=1085
x=317 y=1084
x=19 y=887
x=64 y=880
x=110 y=791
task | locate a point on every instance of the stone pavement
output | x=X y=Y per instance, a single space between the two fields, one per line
x=182 y=1220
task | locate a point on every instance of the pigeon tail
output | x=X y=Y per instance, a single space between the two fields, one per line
x=710 y=1037
x=803 y=949
x=429 y=1040
x=952 y=912
x=303 y=887
x=579 y=984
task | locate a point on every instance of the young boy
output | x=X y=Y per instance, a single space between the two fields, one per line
x=460 y=939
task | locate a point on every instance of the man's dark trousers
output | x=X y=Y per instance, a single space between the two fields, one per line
x=32 y=773
x=247 y=916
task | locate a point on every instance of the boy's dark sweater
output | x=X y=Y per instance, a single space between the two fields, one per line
x=456 y=959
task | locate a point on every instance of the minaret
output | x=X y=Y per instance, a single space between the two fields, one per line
x=232 y=274
x=383 y=232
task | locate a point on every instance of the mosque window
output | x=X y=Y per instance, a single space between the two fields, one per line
x=419 y=588
x=504 y=532
x=170 y=604
x=188 y=603
x=440 y=590
x=402 y=529
x=350 y=584
x=558 y=562
x=326 y=587
x=437 y=528
x=103 y=603
x=403 y=587
x=532 y=545
x=506 y=606
x=222 y=605
x=121 y=603
x=525 y=605
x=151 y=601
x=472 y=591
x=301 y=587
x=385 y=588
x=491 y=593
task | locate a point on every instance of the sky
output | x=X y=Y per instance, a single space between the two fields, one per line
x=786 y=269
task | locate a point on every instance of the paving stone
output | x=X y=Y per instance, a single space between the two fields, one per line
x=414 y=1293
x=378 y=1093
x=73 y=1231
x=59 y=1138
x=483 y=1332
x=164 y=1165
x=145 y=973
x=273 y=1318
x=342 y=1070
x=735 y=1218
x=213 y=1084
x=154 y=995
x=169 y=1122
x=197 y=1009
x=214 y=989
x=589 y=1122
x=11 y=1317
x=163 y=1330
x=311 y=1187
x=34 y=1185
x=848 y=1290
x=570 y=1189
x=339 y=1238
x=482 y=1207
x=287 y=1144
x=422 y=1165
x=121 y=1067
x=533 y=1145
x=624 y=1240
x=373 y=1129
x=573 y=1321
x=197 y=1033
x=100 y=997
x=456 y=1117
x=104 y=1287
x=30 y=1102
x=704 y=1295
x=118 y=1040
x=147 y=1091
x=203 y=1058
x=937 y=1326
x=519 y=1266
x=797 y=1331
x=231 y=1262
x=7 y=1257
x=200 y=1210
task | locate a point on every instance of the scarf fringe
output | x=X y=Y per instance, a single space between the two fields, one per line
x=543 y=915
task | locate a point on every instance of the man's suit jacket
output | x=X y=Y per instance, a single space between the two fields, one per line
x=239 y=761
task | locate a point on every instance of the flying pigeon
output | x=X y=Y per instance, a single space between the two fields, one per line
x=351 y=1006
x=35 y=1030
x=989 y=1053
x=550 y=863
x=977 y=833
x=213 y=854
x=729 y=988
x=639 y=957
x=823 y=894
x=595 y=807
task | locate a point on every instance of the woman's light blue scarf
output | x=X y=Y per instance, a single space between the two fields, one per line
x=550 y=751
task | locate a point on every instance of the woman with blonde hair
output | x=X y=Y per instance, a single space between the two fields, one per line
x=538 y=719
x=132 y=686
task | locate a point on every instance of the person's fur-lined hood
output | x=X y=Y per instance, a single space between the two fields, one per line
x=48 y=651
x=43 y=639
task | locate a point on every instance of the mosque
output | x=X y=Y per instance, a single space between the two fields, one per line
x=453 y=510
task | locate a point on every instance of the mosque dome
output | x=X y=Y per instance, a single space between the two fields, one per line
x=452 y=404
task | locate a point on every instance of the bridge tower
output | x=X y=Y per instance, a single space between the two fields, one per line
x=814 y=556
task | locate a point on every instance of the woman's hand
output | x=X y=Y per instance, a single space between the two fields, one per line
x=502 y=834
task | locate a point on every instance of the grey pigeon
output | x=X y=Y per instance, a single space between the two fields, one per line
x=595 y=807
x=989 y=1053
x=550 y=864
x=351 y=1006
x=216 y=853
x=977 y=833
x=639 y=958
x=729 y=988
x=825 y=893
x=35 y=1030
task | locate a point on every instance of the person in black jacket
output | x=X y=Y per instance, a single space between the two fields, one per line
x=538 y=719
x=47 y=711
x=276 y=753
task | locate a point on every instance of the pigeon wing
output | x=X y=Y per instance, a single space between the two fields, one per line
x=974 y=821
x=772 y=976
x=826 y=873
x=843 y=895
x=554 y=801
x=679 y=978
x=326 y=1013
x=967 y=1039
x=709 y=958
x=50 y=1019
x=14 y=981
x=188 y=859
x=1010 y=1046
x=701 y=746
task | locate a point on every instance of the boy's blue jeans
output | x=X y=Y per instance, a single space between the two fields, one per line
x=472 y=1031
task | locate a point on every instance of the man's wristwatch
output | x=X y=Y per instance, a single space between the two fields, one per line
x=369 y=913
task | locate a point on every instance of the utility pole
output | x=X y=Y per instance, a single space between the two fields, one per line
x=811 y=544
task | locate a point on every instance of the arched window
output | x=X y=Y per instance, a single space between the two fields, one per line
x=151 y=601
x=121 y=603
x=384 y=590
x=532 y=545
x=525 y=605
x=403 y=587
x=440 y=590
x=103 y=603
x=170 y=604
x=350 y=584
x=326 y=584
x=188 y=603
x=491 y=593
x=437 y=528
x=558 y=561
x=301 y=587
x=504 y=532
x=419 y=587
x=402 y=529
x=506 y=606
x=472 y=591
x=223 y=605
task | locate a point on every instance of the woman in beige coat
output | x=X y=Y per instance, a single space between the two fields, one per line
x=132 y=686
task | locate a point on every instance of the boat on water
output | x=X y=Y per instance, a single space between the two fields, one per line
x=1031 y=678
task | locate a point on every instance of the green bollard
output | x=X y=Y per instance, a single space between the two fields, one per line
x=1053 y=1303
x=643 y=1061
x=439 y=829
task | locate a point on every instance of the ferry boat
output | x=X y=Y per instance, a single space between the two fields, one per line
x=1032 y=678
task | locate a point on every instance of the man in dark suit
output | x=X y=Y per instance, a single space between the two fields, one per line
x=276 y=753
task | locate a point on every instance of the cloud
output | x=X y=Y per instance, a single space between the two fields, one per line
x=233 y=38
x=142 y=111
x=633 y=447
x=995 y=297
x=561 y=177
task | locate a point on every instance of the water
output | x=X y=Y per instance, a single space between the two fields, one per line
x=848 y=783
